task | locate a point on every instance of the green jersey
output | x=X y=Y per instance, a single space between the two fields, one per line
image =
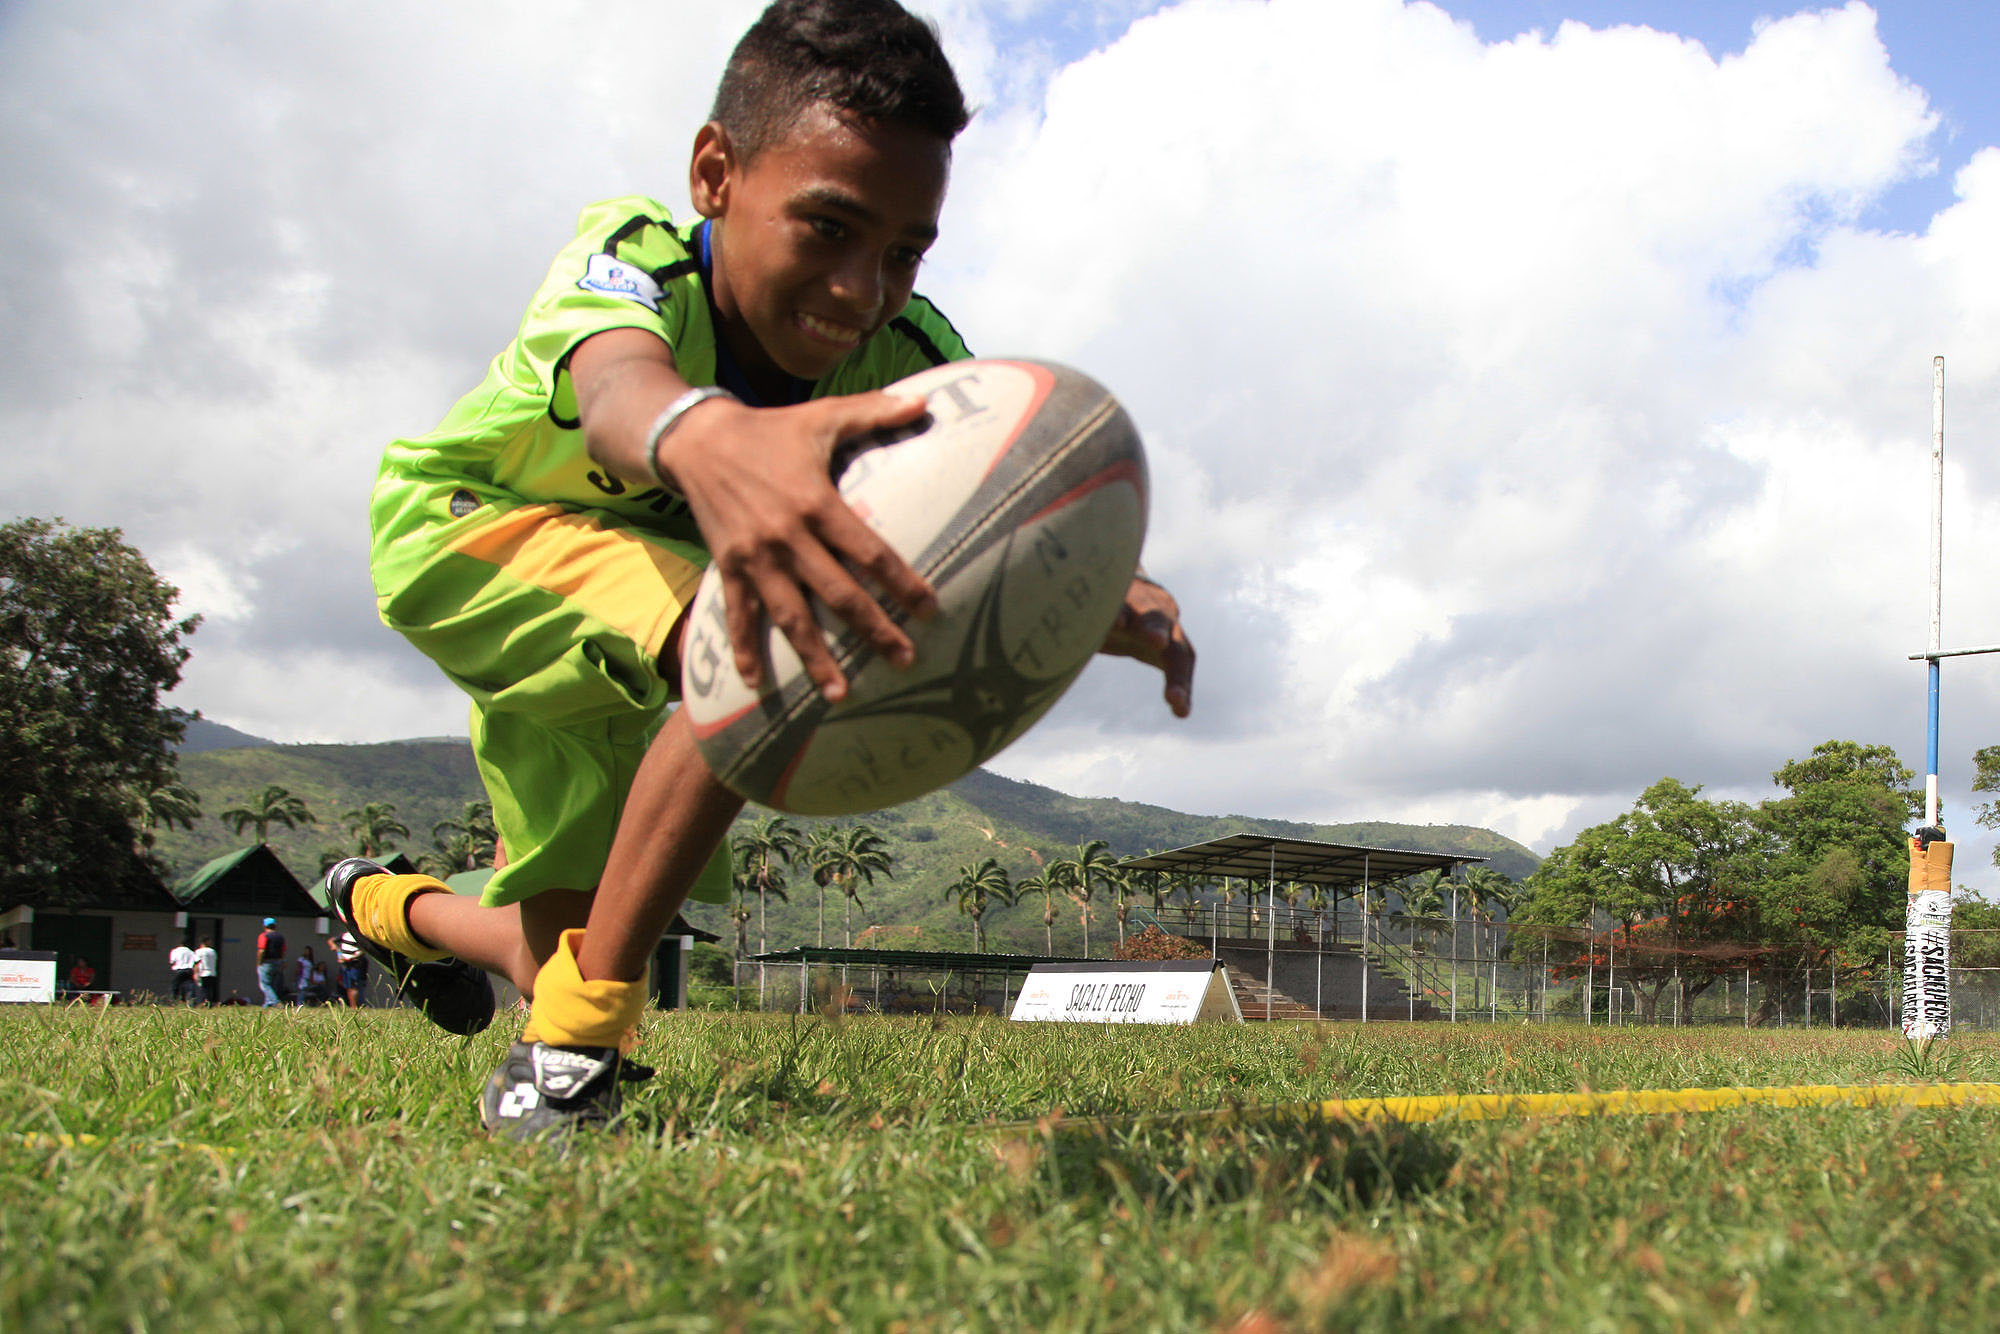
x=518 y=437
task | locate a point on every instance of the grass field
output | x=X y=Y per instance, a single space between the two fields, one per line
x=322 y=1168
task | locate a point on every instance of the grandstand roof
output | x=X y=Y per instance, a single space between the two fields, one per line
x=1261 y=856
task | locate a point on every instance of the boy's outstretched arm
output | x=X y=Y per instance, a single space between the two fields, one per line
x=1149 y=629
x=757 y=480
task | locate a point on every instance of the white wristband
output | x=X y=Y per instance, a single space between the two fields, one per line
x=670 y=417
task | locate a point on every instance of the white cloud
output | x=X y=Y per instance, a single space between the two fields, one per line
x=1528 y=420
x=1541 y=398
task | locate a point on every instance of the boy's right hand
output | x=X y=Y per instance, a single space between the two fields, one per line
x=758 y=483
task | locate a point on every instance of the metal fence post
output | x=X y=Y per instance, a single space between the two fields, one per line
x=1454 y=952
x=1364 y=961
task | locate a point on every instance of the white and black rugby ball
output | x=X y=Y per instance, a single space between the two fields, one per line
x=1022 y=498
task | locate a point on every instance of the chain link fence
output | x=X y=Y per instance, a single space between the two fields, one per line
x=1470 y=970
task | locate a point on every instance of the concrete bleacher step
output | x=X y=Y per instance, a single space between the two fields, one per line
x=1388 y=1000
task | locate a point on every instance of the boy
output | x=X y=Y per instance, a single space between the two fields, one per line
x=673 y=398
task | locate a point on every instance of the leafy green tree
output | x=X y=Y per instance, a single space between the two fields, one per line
x=1818 y=873
x=1986 y=778
x=1839 y=879
x=275 y=805
x=1674 y=871
x=375 y=827
x=775 y=840
x=977 y=889
x=1975 y=934
x=1852 y=762
x=89 y=643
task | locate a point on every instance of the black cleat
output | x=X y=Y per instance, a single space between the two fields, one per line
x=452 y=993
x=544 y=1092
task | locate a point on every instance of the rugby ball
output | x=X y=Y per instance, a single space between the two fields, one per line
x=1021 y=497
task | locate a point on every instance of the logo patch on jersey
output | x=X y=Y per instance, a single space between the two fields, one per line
x=463 y=502
x=609 y=276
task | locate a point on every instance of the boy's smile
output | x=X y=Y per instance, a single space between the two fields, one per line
x=817 y=240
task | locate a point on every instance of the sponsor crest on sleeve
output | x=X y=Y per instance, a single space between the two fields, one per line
x=607 y=275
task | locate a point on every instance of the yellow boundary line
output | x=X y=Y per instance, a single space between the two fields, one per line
x=1408 y=1111
x=1624 y=1102
x=38 y=1139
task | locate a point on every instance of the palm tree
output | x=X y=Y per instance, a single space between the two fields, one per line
x=1157 y=885
x=776 y=838
x=374 y=825
x=1317 y=899
x=1291 y=891
x=1424 y=896
x=745 y=884
x=449 y=856
x=171 y=803
x=846 y=856
x=274 y=805
x=1424 y=899
x=1123 y=883
x=976 y=888
x=470 y=841
x=1485 y=890
x=1080 y=875
x=1227 y=894
x=1043 y=882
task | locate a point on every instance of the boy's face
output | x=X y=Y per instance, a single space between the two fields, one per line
x=818 y=238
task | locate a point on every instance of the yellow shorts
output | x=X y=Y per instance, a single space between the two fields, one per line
x=553 y=620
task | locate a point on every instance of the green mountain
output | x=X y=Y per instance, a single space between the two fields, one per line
x=982 y=815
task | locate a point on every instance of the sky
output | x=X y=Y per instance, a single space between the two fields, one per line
x=1538 y=392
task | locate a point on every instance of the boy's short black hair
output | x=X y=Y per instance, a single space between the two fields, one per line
x=871 y=59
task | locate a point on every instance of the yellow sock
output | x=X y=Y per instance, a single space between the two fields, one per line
x=381 y=906
x=571 y=1012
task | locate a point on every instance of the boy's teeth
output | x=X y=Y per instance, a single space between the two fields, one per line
x=827 y=329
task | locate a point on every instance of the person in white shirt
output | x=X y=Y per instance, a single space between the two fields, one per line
x=353 y=967
x=204 y=970
x=180 y=963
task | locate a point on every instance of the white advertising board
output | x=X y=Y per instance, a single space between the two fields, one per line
x=27 y=975
x=1179 y=991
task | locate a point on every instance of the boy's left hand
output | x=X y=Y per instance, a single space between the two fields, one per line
x=1149 y=629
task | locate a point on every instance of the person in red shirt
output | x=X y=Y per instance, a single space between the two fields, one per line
x=271 y=964
x=81 y=974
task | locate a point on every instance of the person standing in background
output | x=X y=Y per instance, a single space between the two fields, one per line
x=180 y=969
x=204 y=970
x=353 y=968
x=305 y=982
x=271 y=964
